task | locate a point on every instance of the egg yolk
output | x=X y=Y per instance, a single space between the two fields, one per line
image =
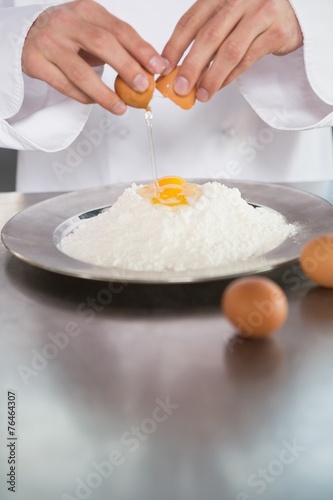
x=171 y=191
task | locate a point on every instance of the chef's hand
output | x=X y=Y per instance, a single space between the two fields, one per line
x=66 y=41
x=228 y=37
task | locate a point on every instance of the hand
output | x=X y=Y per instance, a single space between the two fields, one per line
x=228 y=37
x=66 y=41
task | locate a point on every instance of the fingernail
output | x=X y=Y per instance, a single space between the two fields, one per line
x=119 y=108
x=157 y=64
x=202 y=95
x=167 y=66
x=181 y=85
x=140 y=83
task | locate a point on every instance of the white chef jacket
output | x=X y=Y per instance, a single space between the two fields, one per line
x=273 y=124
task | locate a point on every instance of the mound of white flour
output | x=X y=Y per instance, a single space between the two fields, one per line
x=220 y=228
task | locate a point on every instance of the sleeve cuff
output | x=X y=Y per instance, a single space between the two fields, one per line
x=278 y=90
x=14 y=26
x=315 y=19
x=295 y=92
x=33 y=116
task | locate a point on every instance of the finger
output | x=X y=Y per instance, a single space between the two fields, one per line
x=203 y=73
x=50 y=74
x=70 y=30
x=83 y=77
x=207 y=43
x=143 y=52
x=140 y=51
x=74 y=77
x=238 y=48
x=78 y=35
x=90 y=58
x=106 y=47
x=186 y=30
x=258 y=49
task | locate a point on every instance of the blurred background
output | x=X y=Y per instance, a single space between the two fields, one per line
x=7 y=169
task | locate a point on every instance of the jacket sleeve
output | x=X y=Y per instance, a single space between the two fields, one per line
x=295 y=92
x=33 y=115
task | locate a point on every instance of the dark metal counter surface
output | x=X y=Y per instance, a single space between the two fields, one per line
x=136 y=392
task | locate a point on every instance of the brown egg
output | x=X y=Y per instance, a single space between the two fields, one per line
x=316 y=260
x=165 y=85
x=256 y=306
x=132 y=97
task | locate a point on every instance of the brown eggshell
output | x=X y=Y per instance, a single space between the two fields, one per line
x=256 y=306
x=131 y=97
x=316 y=260
x=164 y=84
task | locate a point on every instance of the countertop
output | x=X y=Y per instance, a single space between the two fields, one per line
x=138 y=392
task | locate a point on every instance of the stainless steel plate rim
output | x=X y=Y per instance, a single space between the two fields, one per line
x=32 y=235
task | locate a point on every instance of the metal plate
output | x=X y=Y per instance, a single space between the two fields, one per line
x=33 y=234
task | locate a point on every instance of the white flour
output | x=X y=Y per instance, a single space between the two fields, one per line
x=219 y=229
